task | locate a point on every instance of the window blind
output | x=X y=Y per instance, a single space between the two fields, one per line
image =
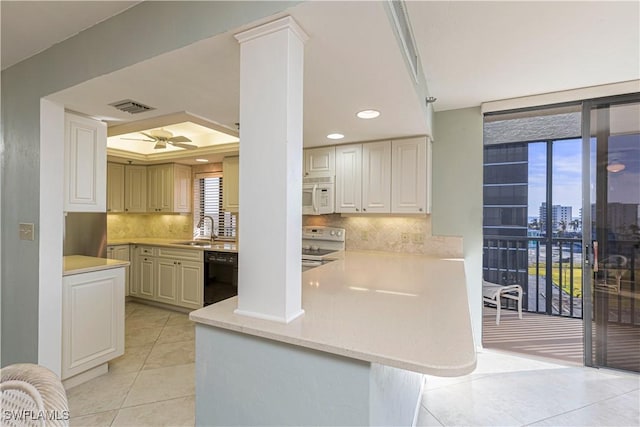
x=207 y=199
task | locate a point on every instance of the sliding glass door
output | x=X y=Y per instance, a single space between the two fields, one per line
x=611 y=222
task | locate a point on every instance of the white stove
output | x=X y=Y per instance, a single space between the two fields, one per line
x=319 y=243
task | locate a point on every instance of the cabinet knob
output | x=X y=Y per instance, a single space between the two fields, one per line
x=420 y=209
x=126 y=210
x=364 y=210
x=357 y=210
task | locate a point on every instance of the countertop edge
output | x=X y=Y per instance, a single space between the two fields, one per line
x=443 y=371
x=90 y=264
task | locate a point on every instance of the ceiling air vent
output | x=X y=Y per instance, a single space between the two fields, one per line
x=131 y=107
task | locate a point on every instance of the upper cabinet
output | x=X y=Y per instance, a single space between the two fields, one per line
x=85 y=154
x=384 y=177
x=135 y=193
x=320 y=161
x=169 y=188
x=230 y=183
x=115 y=187
x=349 y=178
x=411 y=176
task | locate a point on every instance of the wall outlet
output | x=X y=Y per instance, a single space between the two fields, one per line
x=26 y=231
x=417 y=238
x=405 y=237
x=364 y=236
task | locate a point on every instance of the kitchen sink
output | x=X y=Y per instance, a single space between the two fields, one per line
x=198 y=243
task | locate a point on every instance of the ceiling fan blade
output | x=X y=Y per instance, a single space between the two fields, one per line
x=160 y=145
x=153 y=138
x=138 y=139
x=183 y=145
x=179 y=138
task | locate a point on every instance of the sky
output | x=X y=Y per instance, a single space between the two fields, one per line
x=567 y=172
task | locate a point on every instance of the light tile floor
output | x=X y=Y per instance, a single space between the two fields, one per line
x=153 y=385
x=507 y=390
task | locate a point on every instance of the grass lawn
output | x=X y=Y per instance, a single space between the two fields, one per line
x=566 y=274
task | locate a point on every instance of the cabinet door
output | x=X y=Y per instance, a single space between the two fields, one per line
x=92 y=320
x=190 y=284
x=230 y=184
x=409 y=176
x=376 y=177
x=349 y=178
x=135 y=189
x=85 y=169
x=165 y=190
x=146 y=277
x=115 y=187
x=182 y=188
x=121 y=252
x=166 y=281
x=320 y=161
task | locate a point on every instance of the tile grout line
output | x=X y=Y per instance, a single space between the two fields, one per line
x=139 y=370
x=579 y=408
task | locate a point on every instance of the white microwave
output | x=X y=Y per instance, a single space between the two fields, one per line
x=318 y=195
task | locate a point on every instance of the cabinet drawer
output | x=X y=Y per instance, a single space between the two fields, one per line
x=146 y=250
x=182 y=254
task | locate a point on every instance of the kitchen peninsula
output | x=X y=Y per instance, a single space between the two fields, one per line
x=374 y=322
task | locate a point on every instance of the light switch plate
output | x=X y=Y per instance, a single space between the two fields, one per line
x=26 y=231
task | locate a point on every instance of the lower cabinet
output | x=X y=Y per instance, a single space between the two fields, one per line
x=92 y=320
x=121 y=252
x=168 y=275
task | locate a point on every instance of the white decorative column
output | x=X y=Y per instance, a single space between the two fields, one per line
x=271 y=79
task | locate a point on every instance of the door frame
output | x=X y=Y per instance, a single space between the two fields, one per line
x=587 y=239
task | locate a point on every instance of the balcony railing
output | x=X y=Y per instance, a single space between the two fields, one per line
x=553 y=284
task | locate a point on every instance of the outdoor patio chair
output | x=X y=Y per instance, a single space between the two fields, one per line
x=492 y=294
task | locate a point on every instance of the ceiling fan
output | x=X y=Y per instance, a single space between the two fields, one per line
x=163 y=137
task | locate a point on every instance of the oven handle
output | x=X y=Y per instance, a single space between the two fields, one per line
x=313 y=198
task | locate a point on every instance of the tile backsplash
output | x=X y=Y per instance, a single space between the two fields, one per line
x=391 y=234
x=123 y=226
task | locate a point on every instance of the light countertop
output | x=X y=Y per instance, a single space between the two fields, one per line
x=401 y=310
x=76 y=264
x=217 y=245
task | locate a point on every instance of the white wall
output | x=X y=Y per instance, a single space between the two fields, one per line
x=118 y=42
x=457 y=194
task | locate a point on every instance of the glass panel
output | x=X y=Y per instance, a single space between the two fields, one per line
x=615 y=211
x=566 y=229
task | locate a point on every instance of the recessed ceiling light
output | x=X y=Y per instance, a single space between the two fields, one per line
x=335 y=136
x=368 y=114
x=202 y=160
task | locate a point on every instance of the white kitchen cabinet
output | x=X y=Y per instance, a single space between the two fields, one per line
x=169 y=275
x=85 y=171
x=190 y=284
x=231 y=184
x=320 y=161
x=121 y=252
x=115 y=187
x=135 y=188
x=410 y=173
x=166 y=285
x=169 y=188
x=348 y=178
x=92 y=320
x=376 y=177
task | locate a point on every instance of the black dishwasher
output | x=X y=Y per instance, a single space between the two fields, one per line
x=220 y=276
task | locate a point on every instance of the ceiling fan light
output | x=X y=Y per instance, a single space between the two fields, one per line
x=616 y=166
x=161 y=133
x=160 y=145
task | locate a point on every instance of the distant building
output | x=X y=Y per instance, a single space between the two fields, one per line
x=559 y=215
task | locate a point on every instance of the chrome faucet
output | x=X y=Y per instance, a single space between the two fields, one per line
x=201 y=223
